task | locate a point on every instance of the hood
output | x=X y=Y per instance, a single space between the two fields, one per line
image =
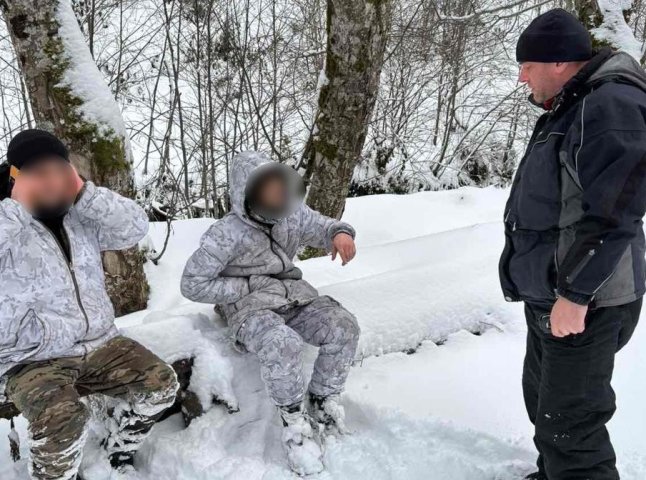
x=620 y=67
x=606 y=66
x=247 y=168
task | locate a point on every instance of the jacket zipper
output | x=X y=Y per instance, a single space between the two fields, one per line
x=70 y=267
x=584 y=261
x=535 y=140
x=271 y=246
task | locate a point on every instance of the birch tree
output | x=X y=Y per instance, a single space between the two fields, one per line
x=69 y=96
x=357 y=34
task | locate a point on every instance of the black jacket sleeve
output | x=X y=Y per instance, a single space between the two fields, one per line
x=611 y=164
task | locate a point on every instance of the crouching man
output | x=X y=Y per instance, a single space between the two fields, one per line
x=57 y=332
x=245 y=266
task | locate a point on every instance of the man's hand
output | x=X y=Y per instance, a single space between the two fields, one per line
x=343 y=244
x=22 y=191
x=77 y=182
x=567 y=318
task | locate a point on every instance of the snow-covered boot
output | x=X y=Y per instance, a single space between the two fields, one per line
x=536 y=476
x=328 y=412
x=301 y=442
x=123 y=462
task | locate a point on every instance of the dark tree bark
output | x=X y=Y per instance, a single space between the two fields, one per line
x=357 y=32
x=53 y=59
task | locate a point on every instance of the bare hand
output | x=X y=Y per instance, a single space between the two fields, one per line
x=343 y=244
x=22 y=191
x=567 y=318
x=77 y=182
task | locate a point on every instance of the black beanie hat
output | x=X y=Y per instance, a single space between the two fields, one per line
x=555 y=36
x=31 y=145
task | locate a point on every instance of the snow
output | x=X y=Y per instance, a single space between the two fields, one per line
x=84 y=78
x=615 y=29
x=424 y=282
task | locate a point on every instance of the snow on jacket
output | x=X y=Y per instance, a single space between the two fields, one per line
x=245 y=266
x=49 y=307
x=573 y=222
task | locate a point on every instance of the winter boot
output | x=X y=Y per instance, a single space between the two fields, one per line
x=536 y=476
x=328 y=412
x=301 y=442
x=122 y=462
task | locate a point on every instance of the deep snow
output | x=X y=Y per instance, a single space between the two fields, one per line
x=426 y=272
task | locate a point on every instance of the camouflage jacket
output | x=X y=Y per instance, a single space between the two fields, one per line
x=49 y=307
x=244 y=266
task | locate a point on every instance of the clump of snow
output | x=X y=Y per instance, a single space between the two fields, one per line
x=84 y=79
x=177 y=337
x=323 y=81
x=615 y=30
x=302 y=445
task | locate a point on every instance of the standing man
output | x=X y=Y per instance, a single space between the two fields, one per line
x=57 y=332
x=574 y=240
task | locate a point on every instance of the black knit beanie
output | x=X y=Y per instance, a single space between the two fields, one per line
x=29 y=146
x=555 y=36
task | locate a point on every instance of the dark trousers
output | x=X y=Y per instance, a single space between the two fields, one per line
x=566 y=384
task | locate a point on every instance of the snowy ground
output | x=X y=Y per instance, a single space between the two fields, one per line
x=437 y=392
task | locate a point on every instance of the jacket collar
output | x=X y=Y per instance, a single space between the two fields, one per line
x=578 y=86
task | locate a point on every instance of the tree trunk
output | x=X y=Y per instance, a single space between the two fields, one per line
x=607 y=21
x=69 y=97
x=357 y=32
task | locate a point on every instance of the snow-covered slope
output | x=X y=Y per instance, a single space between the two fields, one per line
x=424 y=281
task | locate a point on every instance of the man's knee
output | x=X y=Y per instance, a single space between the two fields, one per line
x=161 y=387
x=280 y=341
x=343 y=326
x=63 y=421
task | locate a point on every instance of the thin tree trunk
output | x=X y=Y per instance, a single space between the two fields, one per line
x=357 y=32
x=69 y=97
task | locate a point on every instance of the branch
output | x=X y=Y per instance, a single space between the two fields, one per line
x=479 y=13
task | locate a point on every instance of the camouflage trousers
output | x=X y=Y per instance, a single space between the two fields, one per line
x=278 y=338
x=48 y=395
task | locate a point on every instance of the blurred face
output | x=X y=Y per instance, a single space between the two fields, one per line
x=51 y=181
x=272 y=194
x=546 y=80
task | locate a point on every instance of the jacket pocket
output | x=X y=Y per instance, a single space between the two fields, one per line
x=27 y=339
x=300 y=290
x=532 y=267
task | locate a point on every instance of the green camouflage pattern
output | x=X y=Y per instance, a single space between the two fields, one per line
x=48 y=394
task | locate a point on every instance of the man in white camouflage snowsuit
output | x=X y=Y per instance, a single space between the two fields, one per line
x=57 y=334
x=245 y=266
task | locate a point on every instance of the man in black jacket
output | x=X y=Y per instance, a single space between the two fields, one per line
x=575 y=241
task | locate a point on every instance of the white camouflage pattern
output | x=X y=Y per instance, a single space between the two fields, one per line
x=49 y=308
x=234 y=265
x=236 y=268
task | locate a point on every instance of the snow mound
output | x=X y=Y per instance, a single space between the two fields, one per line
x=177 y=337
